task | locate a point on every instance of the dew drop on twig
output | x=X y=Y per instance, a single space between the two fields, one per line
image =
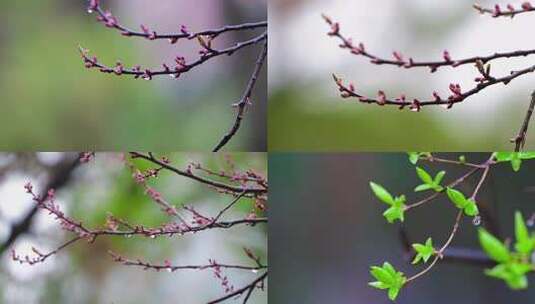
x=254 y=270
x=477 y=220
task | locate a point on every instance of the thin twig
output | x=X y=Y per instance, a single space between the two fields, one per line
x=520 y=139
x=227 y=207
x=213 y=183
x=442 y=249
x=184 y=34
x=241 y=290
x=510 y=11
x=245 y=100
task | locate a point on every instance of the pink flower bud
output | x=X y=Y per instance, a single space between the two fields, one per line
x=398 y=56
x=527 y=6
x=382 y=98
x=446 y=55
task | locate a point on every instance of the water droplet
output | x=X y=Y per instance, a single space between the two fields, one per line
x=128 y=236
x=169 y=269
x=153 y=236
x=254 y=270
x=89 y=11
x=477 y=220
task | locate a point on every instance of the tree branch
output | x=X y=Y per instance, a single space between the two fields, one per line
x=520 y=139
x=245 y=100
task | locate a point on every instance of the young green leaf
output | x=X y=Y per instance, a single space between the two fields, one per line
x=423 y=252
x=423 y=187
x=527 y=155
x=470 y=208
x=439 y=177
x=493 y=247
x=396 y=211
x=516 y=162
x=457 y=197
x=514 y=157
x=429 y=182
x=504 y=156
x=382 y=193
x=524 y=243
x=414 y=157
x=393 y=293
x=397 y=205
x=424 y=176
x=387 y=278
x=513 y=273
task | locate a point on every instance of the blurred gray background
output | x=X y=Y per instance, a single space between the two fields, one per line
x=327 y=229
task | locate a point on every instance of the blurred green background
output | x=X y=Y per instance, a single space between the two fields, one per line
x=326 y=229
x=51 y=102
x=85 y=273
x=307 y=114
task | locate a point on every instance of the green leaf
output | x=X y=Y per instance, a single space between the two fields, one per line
x=514 y=274
x=468 y=206
x=516 y=162
x=429 y=182
x=423 y=187
x=457 y=197
x=414 y=157
x=382 y=275
x=378 y=285
x=439 y=177
x=396 y=210
x=394 y=213
x=387 y=278
x=527 y=155
x=438 y=188
x=381 y=193
x=504 y=156
x=493 y=247
x=524 y=243
x=424 y=252
x=393 y=293
x=424 y=176
x=514 y=157
x=471 y=208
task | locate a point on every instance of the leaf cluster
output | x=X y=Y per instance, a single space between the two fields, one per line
x=512 y=265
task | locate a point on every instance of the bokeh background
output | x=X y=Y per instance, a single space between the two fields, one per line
x=51 y=102
x=85 y=273
x=306 y=112
x=326 y=229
